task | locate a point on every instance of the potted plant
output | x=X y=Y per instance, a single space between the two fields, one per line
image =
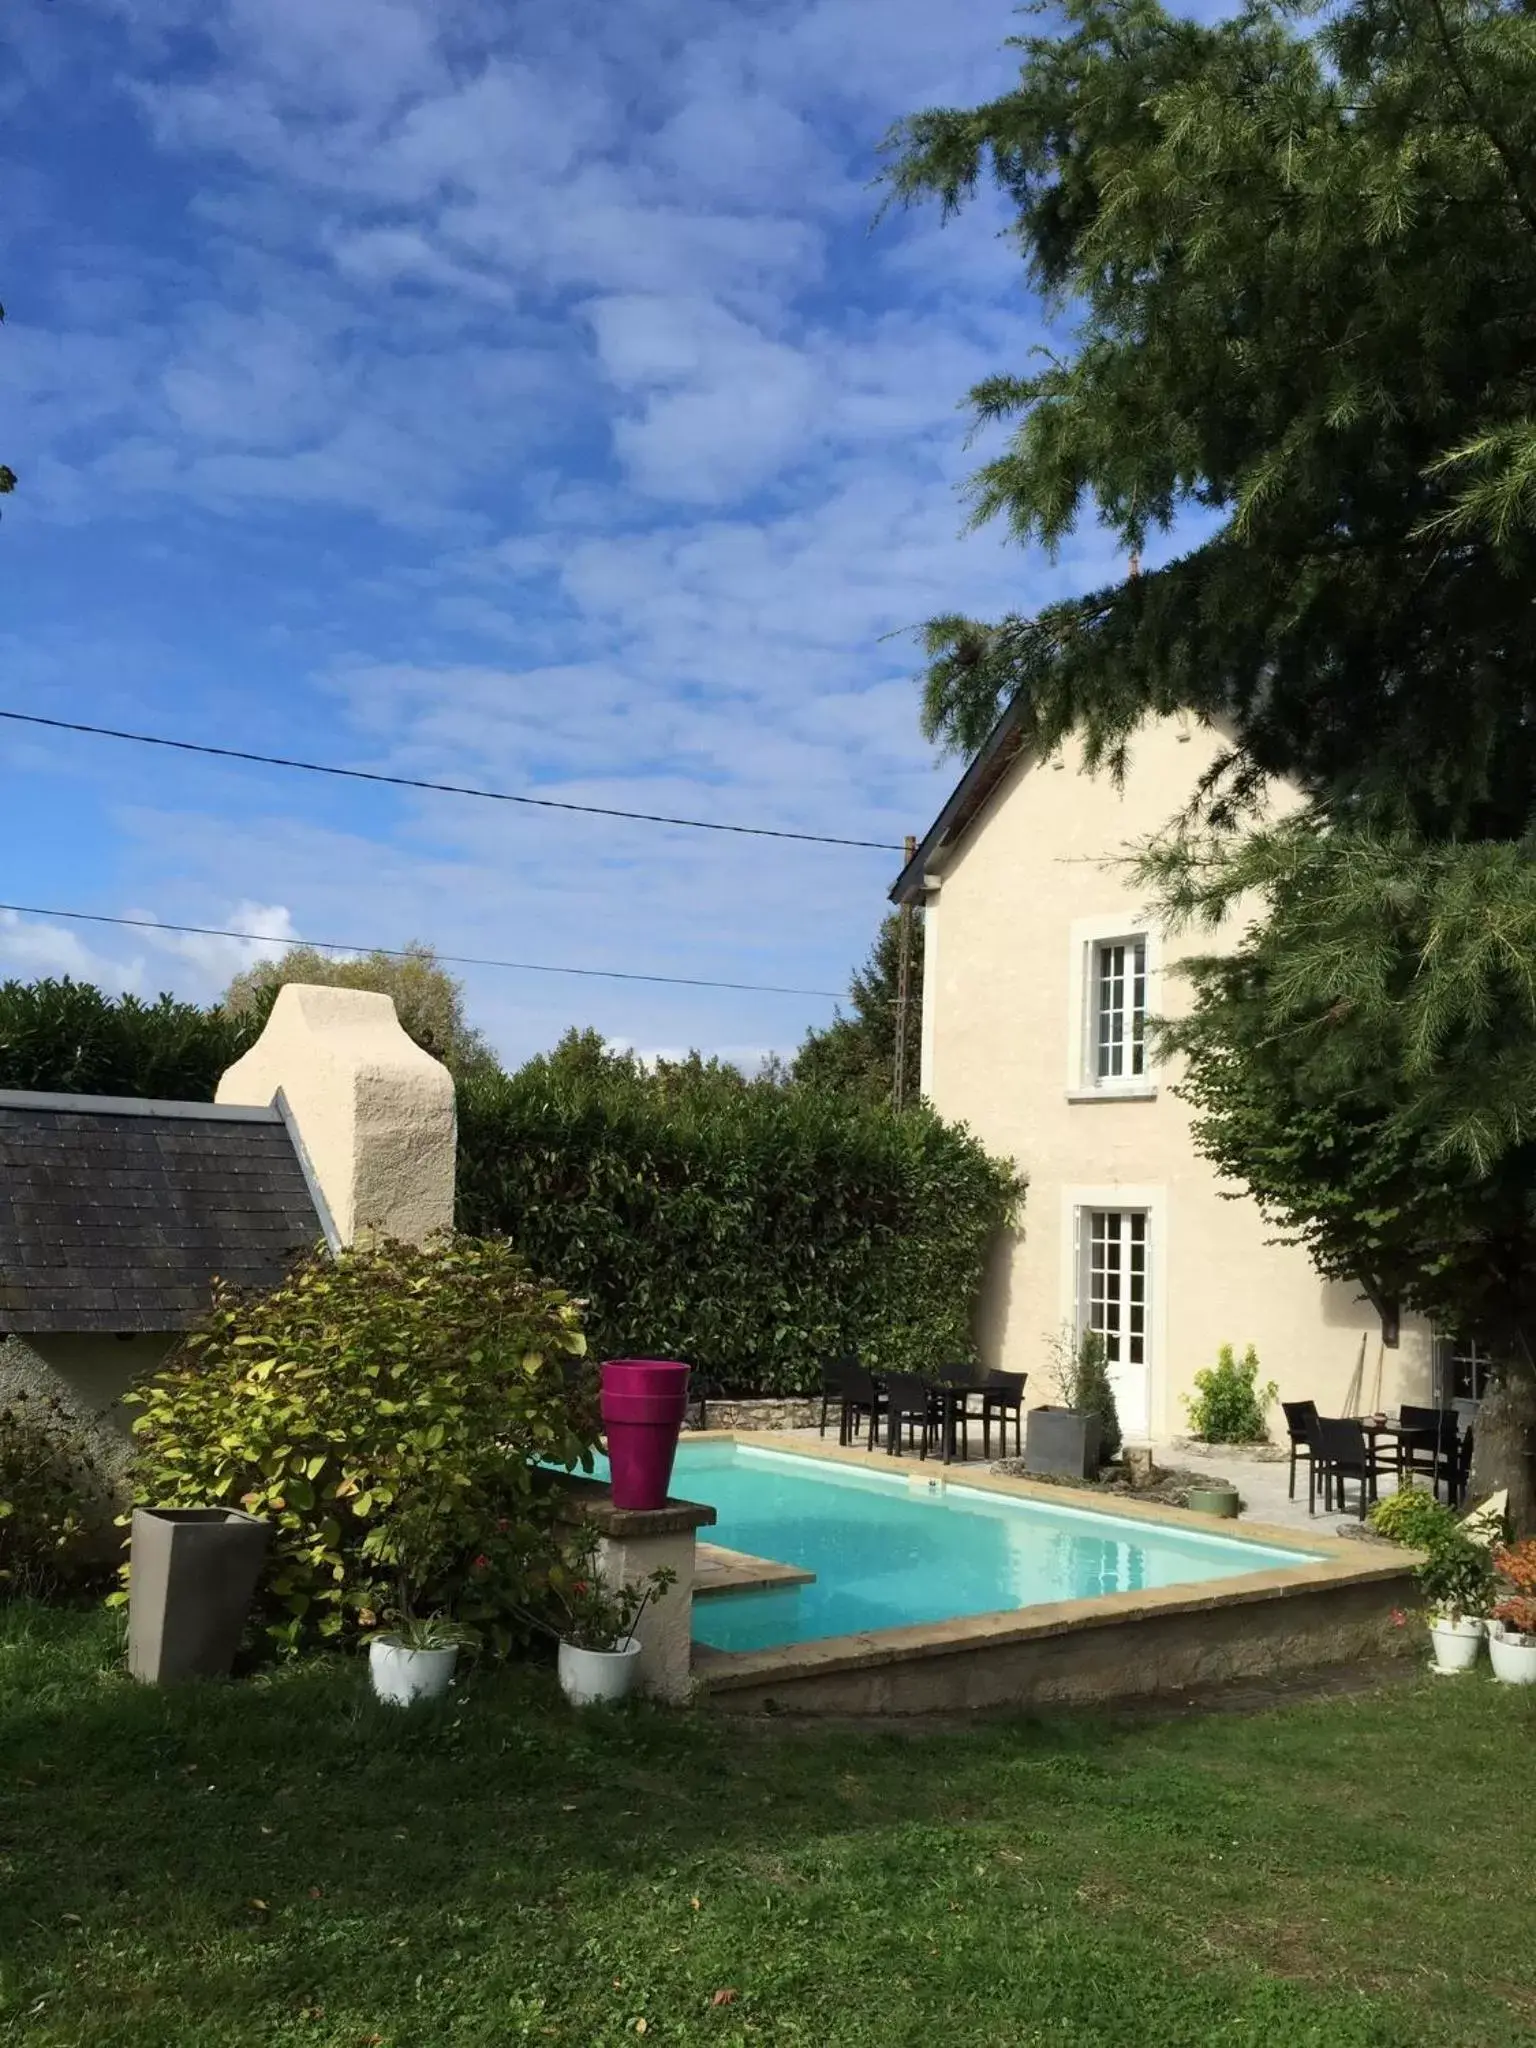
x=1456 y=1579
x=595 y=1626
x=1071 y=1440
x=415 y=1660
x=1512 y=1626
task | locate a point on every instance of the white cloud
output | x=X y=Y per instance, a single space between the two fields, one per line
x=596 y=448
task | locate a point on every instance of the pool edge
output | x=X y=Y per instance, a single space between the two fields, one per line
x=1334 y=1607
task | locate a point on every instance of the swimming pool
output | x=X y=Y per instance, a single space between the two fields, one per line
x=893 y=1549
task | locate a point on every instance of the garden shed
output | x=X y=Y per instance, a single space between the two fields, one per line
x=116 y=1213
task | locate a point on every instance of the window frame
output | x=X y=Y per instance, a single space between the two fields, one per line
x=1091 y=940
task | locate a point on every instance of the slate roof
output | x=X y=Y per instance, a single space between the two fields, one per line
x=115 y=1214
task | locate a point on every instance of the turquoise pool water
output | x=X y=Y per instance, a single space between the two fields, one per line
x=889 y=1551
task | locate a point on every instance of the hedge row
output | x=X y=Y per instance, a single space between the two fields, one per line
x=751 y=1228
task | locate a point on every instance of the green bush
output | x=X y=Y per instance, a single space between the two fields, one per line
x=68 y=1038
x=385 y=1411
x=751 y=1228
x=1413 y=1517
x=1228 y=1405
x=49 y=1544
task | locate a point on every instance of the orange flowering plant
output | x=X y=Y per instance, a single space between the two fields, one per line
x=1515 y=1564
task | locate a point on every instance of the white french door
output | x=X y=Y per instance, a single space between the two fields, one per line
x=1114 y=1264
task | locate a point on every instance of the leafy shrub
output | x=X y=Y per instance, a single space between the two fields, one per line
x=749 y=1227
x=1414 y=1517
x=1081 y=1372
x=46 y=1534
x=1456 y=1578
x=385 y=1411
x=69 y=1038
x=1228 y=1405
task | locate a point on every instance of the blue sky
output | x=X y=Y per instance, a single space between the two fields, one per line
x=502 y=394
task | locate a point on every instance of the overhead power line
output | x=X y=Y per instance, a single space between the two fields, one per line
x=494 y=796
x=210 y=931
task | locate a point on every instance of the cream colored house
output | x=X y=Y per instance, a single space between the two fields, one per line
x=1040 y=968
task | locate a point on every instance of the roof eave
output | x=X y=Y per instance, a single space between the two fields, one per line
x=995 y=756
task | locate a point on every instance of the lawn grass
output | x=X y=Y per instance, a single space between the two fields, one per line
x=283 y=1861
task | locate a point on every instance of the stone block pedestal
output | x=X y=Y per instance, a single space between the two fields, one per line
x=631 y=1544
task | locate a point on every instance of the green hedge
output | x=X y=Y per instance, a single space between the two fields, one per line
x=67 y=1038
x=753 y=1229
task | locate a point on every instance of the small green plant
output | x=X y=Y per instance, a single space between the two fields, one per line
x=386 y=1412
x=1228 y=1405
x=588 y=1613
x=47 y=1545
x=429 y=1632
x=1457 y=1579
x=1412 y=1516
x=1080 y=1369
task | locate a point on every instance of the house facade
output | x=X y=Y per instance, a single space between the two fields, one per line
x=1041 y=967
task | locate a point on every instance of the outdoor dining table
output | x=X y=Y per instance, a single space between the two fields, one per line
x=952 y=1396
x=1408 y=1435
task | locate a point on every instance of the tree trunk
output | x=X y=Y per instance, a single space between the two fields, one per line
x=1504 y=1447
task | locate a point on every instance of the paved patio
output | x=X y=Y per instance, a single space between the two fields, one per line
x=1262 y=1484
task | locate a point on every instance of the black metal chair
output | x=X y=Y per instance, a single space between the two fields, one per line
x=910 y=1406
x=834 y=1375
x=1002 y=1395
x=1301 y=1424
x=962 y=1383
x=1432 y=1449
x=862 y=1396
x=1341 y=1451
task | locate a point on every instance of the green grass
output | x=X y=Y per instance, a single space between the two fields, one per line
x=282 y=1861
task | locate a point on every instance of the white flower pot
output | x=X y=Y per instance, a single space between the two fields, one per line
x=1514 y=1657
x=1456 y=1642
x=401 y=1677
x=591 y=1678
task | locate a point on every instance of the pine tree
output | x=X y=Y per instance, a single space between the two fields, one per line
x=857 y=1054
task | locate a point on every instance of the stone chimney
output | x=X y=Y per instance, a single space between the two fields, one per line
x=372 y=1114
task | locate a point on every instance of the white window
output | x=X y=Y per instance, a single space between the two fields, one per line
x=1118 y=1011
x=1114 y=1287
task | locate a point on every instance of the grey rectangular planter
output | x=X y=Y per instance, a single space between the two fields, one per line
x=1062 y=1443
x=194 y=1571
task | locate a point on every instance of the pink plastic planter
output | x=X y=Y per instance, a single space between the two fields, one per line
x=644 y=1401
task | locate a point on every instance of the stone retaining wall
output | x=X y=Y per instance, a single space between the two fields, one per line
x=798 y=1412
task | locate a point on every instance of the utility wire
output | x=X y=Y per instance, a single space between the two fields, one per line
x=495 y=796
x=209 y=931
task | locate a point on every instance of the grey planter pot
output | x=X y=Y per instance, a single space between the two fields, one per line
x=1062 y=1443
x=194 y=1571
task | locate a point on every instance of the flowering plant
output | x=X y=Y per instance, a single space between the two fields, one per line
x=1516 y=1566
x=587 y=1612
x=1518 y=1614
x=1456 y=1579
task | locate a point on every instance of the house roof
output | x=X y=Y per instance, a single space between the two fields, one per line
x=115 y=1214
x=996 y=755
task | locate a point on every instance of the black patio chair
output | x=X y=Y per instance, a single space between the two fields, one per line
x=1300 y=1423
x=834 y=1375
x=910 y=1405
x=964 y=1384
x=1003 y=1395
x=1341 y=1451
x=1433 y=1448
x=863 y=1397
